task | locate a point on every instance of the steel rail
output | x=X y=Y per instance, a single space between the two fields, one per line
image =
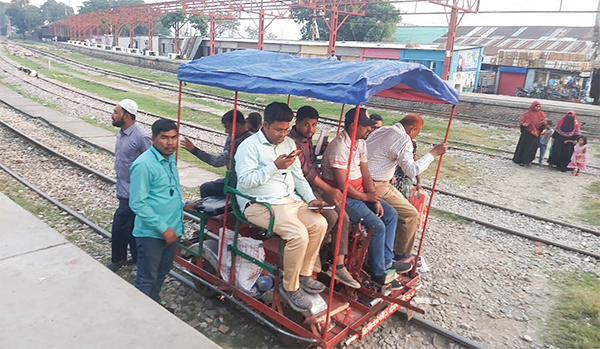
x=179 y=277
x=420 y=321
x=195 y=219
x=524 y=235
x=200 y=128
x=500 y=156
x=260 y=107
x=512 y=210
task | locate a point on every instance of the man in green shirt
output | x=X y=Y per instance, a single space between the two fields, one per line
x=155 y=198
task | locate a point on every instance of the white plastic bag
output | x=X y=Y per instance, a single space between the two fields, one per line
x=246 y=272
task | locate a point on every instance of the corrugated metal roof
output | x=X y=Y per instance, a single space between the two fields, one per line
x=547 y=38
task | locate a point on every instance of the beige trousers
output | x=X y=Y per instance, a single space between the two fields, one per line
x=407 y=216
x=302 y=229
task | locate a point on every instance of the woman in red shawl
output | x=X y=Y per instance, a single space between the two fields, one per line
x=531 y=125
x=567 y=129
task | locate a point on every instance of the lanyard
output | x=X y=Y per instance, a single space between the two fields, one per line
x=171 y=186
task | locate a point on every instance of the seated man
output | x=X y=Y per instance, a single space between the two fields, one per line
x=241 y=132
x=253 y=122
x=362 y=201
x=266 y=172
x=302 y=133
x=390 y=146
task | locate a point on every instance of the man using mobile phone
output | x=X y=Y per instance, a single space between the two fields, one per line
x=155 y=197
x=302 y=133
x=266 y=172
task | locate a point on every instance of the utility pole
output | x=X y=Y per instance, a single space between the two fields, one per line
x=597 y=34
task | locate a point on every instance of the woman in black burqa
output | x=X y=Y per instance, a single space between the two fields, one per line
x=531 y=125
x=567 y=129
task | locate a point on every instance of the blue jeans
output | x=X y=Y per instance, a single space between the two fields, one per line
x=381 y=247
x=155 y=260
x=542 y=152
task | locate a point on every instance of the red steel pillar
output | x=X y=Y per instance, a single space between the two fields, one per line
x=450 y=43
x=261 y=30
x=177 y=27
x=150 y=29
x=333 y=27
x=213 y=29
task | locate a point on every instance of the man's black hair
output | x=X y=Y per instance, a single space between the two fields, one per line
x=163 y=125
x=254 y=119
x=228 y=118
x=306 y=112
x=376 y=117
x=132 y=116
x=278 y=112
x=549 y=122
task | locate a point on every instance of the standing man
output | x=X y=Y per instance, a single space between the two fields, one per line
x=302 y=133
x=241 y=132
x=132 y=141
x=156 y=200
x=269 y=171
x=390 y=146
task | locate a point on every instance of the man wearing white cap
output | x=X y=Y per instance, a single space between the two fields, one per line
x=132 y=141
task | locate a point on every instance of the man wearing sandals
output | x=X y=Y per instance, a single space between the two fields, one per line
x=266 y=172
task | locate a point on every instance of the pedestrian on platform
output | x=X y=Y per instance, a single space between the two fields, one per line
x=531 y=126
x=545 y=137
x=132 y=141
x=156 y=200
x=567 y=129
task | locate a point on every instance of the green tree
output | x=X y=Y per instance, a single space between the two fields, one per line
x=95 y=5
x=53 y=11
x=199 y=24
x=378 y=24
x=3 y=16
x=25 y=18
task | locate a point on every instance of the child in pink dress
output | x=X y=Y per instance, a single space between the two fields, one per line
x=578 y=158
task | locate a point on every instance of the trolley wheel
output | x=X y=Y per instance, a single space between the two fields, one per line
x=201 y=287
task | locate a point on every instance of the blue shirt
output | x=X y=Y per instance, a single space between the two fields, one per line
x=258 y=177
x=131 y=143
x=155 y=195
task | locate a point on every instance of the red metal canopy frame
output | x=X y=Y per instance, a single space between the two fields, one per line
x=365 y=319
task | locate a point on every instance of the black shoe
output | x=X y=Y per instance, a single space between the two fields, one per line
x=116 y=265
x=392 y=286
x=131 y=261
x=401 y=267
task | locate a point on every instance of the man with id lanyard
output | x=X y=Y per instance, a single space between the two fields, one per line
x=268 y=170
x=155 y=198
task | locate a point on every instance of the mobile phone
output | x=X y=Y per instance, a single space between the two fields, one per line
x=329 y=207
x=293 y=153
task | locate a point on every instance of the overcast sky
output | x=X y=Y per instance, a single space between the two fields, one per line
x=287 y=29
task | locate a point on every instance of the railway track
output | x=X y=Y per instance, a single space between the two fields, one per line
x=109 y=105
x=183 y=275
x=528 y=236
x=252 y=105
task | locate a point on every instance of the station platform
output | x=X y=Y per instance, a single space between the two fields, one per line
x=189 y=176
x=54 y=295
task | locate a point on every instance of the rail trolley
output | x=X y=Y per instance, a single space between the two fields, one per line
x=339 y=315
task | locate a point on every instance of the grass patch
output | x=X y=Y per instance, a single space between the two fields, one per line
x=192 y=159
x=591 y=205
x=447 y=216
x=453 y=168
x=575 y=320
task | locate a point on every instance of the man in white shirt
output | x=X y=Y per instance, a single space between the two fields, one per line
x=390 y=146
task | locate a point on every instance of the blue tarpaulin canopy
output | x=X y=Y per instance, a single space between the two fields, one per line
x=353 y=83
